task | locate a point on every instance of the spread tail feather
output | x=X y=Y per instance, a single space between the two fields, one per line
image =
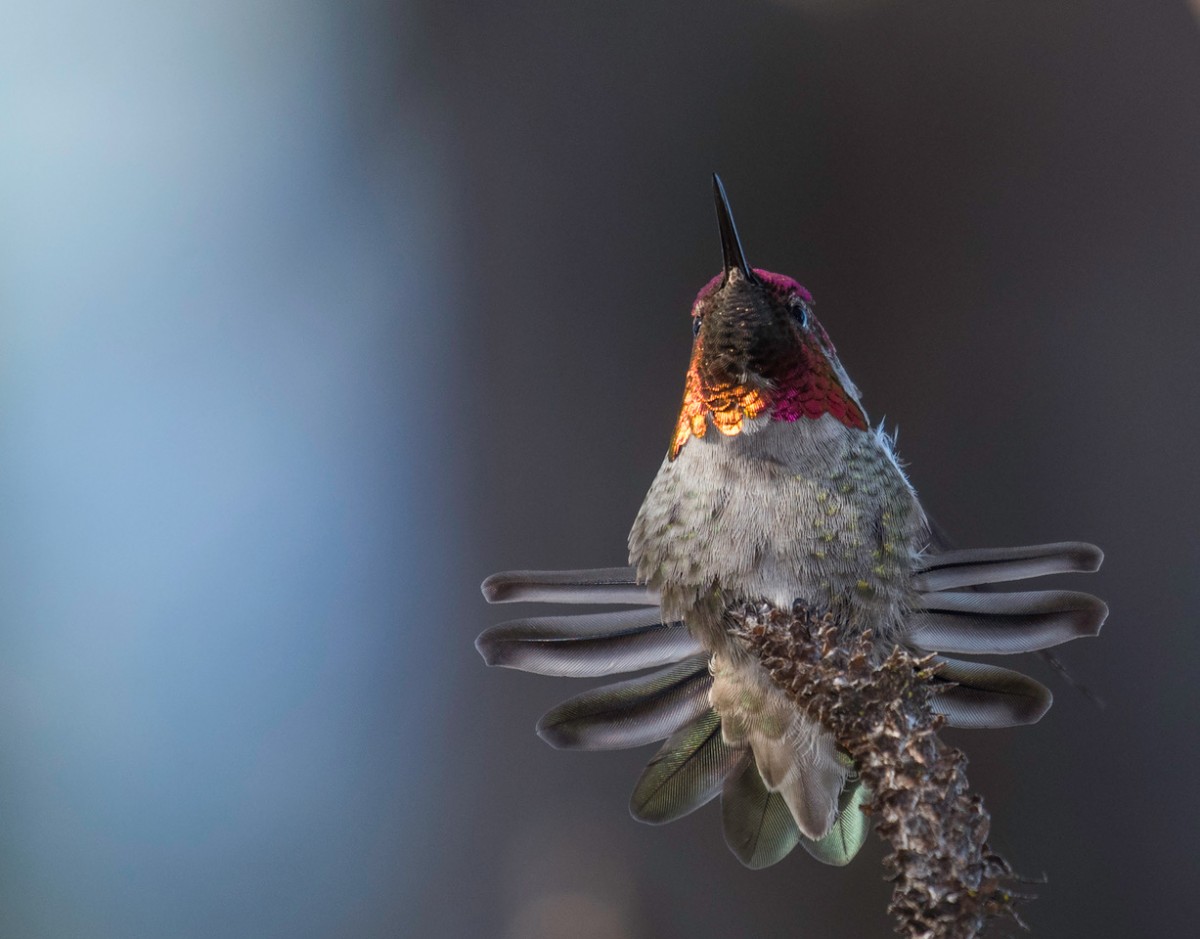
x=849 y=831
x=811 y=792
x=687 y=772
x=760 y=829
x=803 y=767
x=777 y=792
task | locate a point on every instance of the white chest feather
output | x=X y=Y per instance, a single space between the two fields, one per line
x=811 y=510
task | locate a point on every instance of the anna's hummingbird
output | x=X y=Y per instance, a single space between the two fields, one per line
x=775 y=488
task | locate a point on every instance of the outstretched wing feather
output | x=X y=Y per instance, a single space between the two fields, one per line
x=631 y=713
x=588 y=645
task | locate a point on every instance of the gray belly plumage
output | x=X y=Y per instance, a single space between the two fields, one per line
x=811 y=511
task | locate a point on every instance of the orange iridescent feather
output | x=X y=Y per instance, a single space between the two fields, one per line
x=797 y=380
x=729 y=405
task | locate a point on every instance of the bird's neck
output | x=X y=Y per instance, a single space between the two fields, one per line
x=806 y=389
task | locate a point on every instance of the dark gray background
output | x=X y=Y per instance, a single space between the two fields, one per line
x=316 y=313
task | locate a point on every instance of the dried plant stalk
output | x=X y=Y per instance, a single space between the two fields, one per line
x=948 y=882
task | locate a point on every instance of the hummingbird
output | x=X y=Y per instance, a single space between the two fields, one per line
x=776 y=488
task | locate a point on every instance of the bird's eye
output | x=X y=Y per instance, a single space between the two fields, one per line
x=695 y=326
x=800 y=311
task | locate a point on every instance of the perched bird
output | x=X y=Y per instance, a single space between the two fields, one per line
x=775 y=488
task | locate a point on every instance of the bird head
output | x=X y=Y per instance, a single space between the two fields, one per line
x=759 y=351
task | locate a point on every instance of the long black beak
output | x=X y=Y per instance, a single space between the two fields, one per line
x=731 y=245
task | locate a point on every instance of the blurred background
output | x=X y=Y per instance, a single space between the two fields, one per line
x=312 y=314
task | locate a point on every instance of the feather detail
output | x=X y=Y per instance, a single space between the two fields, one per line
x=973 y=566
x=589 y=645
x=849 y=831
x=811 y=792
x=600 y=585
x=804 y=768
x=630 y=713
x=1002 y=623
x=686 y=773
x=987 y=696
x=759 y=828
